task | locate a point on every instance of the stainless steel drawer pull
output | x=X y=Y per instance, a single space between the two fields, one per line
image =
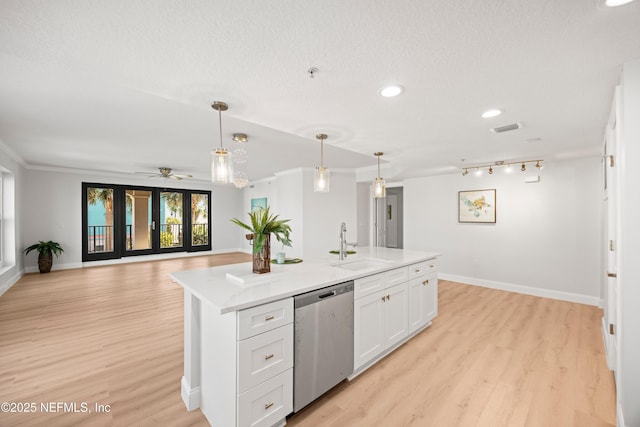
x=268 y=318
x=268 y=356
x=417 y=270
x=426 y=282
x=431 y=266
x=268 y=405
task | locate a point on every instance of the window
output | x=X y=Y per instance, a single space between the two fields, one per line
x=128 y=220
x=1 y=224
x=7 y=219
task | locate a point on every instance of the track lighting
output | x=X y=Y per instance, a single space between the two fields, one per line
x=490 y=167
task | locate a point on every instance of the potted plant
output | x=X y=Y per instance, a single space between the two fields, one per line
x=263 y=224
x=45 y=253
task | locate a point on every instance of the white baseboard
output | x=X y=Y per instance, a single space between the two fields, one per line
x=157 y=257
x=190 y=396
x=7 y=283
x=521 y=289
x=619 y=416
x=67 y=266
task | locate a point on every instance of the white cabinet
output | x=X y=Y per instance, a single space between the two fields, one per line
x=247 y=365
x=423 y=298
x=265 y=364
x=380 y=318
x=395 y=314
x=368 y=328
x=390 y=306
x=423 y=294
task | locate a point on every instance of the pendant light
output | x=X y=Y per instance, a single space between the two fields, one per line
x=379 y=190
x=221 y=169
x=240 y=157
x=321 y=176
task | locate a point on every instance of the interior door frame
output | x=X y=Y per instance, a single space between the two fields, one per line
x=610 y=323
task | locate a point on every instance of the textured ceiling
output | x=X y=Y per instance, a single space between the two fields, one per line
x=126 y=86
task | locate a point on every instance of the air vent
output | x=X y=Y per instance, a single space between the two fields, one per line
x=506 y=128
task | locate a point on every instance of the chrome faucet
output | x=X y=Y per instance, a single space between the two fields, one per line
x=343 y=241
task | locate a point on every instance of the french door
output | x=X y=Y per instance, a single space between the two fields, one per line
x=132 y=220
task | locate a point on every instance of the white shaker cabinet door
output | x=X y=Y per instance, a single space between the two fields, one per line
x=368 y=328
x=396 y=314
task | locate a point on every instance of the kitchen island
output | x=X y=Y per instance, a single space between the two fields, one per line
x=238 y=327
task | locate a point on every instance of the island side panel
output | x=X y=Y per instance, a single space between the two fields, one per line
x=190 y=384
x=218 y=365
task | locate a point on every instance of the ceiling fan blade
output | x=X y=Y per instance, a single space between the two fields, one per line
x=181 y=176
x=148 y=174
x=177 y=177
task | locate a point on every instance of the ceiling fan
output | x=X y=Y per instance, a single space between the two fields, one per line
x=165 y=173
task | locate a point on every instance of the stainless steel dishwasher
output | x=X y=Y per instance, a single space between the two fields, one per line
x=323 y=345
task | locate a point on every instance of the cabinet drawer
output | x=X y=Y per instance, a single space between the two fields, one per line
x=368 y=285
x=264 y=356
x=263 y=318
x=267 y=403
x=422 y=268
x=397 y=276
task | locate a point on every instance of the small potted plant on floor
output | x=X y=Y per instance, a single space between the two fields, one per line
x=263 y=224
x=45 y=254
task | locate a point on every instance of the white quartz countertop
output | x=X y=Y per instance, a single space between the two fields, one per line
x=223 y=288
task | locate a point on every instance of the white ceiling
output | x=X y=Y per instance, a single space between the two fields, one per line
x=126 y=86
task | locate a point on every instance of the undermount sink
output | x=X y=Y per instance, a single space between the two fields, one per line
x=362 y=264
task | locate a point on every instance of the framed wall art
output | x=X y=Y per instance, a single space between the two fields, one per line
x=260 y=203
x=477 y=206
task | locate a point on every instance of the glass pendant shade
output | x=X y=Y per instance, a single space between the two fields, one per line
x=321 y=180
x=221 y=169
x=321 y=175
x=379 y=189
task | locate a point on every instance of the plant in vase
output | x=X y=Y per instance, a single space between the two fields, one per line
x=45 y=253
x=263 y=224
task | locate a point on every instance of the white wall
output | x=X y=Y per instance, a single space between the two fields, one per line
x=265 y=188
x=52 y=210
x=315 y=217
x=628 y=250
x=289 y=194
x=363 y=190
x=12 y=267
x=546 y=239
x=324 y=212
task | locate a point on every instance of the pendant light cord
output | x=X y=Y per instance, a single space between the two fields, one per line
x=220 y=121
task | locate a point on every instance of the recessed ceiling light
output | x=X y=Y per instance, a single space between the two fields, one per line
x=391 y=91
x=491 y=113
x=616 y=3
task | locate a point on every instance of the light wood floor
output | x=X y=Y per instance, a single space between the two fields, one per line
x=113 y=336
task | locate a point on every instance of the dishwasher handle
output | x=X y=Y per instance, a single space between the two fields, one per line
x=323 y=294
x=327 y=295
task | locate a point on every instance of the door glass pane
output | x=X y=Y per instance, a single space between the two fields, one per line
x=99 y=220
x=170 y=220
x=199 y=219
x=138 y=220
